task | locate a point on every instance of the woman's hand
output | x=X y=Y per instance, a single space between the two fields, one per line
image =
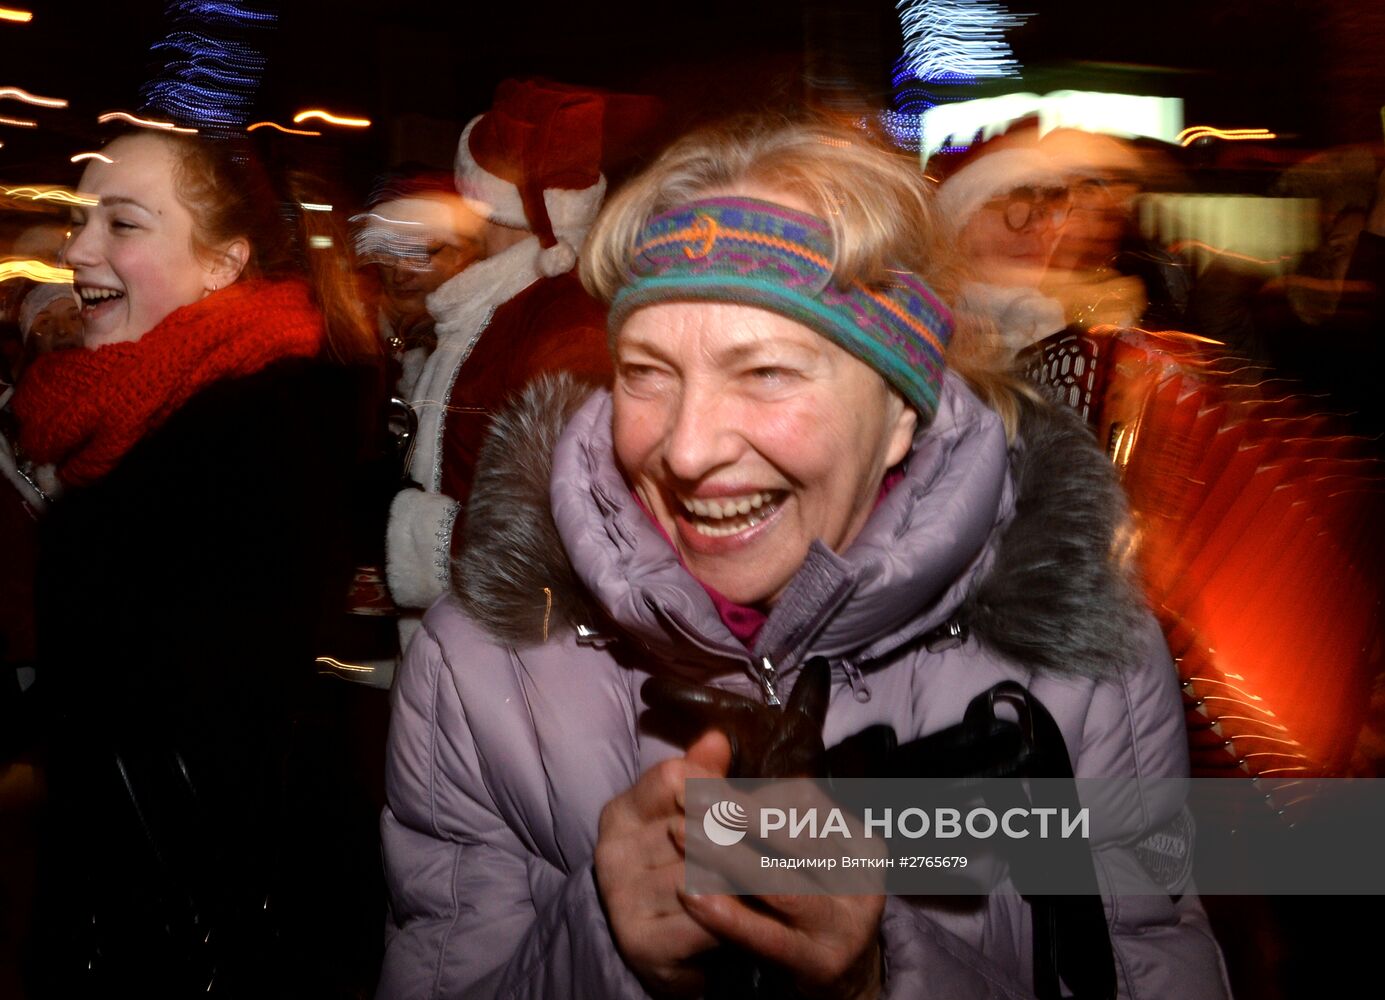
x=830 y=945
x=639 y=871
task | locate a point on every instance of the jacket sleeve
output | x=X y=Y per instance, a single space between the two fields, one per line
x=463 y=886
x=923 y=959
x=1162 y=941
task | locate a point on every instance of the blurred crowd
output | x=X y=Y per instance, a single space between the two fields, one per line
x=241 y=414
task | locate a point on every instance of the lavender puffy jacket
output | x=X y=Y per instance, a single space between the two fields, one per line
x=512 y=727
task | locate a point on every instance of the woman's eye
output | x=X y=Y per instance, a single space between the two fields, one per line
x=772 y=374
x=635 y=373
x=641 y=379
x=123 y=226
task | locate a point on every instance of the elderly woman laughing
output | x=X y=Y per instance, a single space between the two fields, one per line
x=804 y=457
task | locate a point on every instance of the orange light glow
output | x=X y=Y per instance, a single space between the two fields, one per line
x=1193 y=133
x=276 y=125
x=35 y=270
x=354 y=668
x=330 y=118
x=125 y=116
x=79 y=157
x=18 y=122
x=20 y=94
x=61 y=195
x=1182 y=245
x=18 y=16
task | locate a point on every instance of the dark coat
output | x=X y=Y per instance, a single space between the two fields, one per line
x=177 y=599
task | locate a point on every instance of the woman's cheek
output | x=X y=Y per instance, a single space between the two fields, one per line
x=638 y=425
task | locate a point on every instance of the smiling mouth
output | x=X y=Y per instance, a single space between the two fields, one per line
x=725 y=516
x=93 y=297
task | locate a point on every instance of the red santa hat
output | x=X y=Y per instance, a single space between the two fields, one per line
x=533 y=161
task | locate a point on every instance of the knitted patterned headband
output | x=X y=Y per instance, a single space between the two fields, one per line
x=757 y=253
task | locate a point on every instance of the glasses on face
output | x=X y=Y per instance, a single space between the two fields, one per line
x=1025 y=206
x=1095 y=192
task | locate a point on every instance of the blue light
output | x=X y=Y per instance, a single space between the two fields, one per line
x=947 y=43
x=946 y=39
x=210 y=71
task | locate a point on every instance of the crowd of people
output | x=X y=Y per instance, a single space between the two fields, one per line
x=658 y=464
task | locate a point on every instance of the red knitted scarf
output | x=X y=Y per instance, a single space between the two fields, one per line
x=84 y=410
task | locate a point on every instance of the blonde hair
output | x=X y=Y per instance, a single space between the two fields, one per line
x=880 y=208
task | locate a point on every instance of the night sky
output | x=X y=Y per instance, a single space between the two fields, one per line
x=419 y=70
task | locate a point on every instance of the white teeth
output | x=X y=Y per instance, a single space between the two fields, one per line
x=724 y=530
x=727 y=506
x=98 y=294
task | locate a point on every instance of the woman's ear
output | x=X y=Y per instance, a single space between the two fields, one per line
x=905 y=423
x=228 y=264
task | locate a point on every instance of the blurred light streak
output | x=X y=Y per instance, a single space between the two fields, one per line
x=1195 y=132
x=79 y=157
x=125 y=116
x=225 y=12
x=20 y=94
x=35 y=270
x=61 y=195
x=330 y=118
x=958 y=37
x=320 y=242
x=353 y=667
x=18 y=122
x=211 y=68
x=276 y=125
x=18 y=16
x=1182 y=245
x=384 y=218
x=1226 y=684
x=313 y=206
x=955 y=124
x=1237 y=701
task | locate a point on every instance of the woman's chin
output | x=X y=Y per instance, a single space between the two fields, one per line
x=740 y=566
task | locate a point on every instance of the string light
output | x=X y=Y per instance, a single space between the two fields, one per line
x=35 y=270
x=211 y=70
x=20 y=94
x=1193 y=133
x=276 y=125
x=330 y=118
x=964 y=38
x=18 y=122
x=946 y=43
x=62 y=195
x=18 y=16
x=125 y=116
x=79 y=157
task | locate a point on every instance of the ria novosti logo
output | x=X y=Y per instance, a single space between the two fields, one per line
x=725 y=823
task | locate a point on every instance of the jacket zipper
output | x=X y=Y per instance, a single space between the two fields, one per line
x=766 y=678
x=860 y=690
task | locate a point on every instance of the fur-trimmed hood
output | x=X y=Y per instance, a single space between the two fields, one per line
x=1016 y=545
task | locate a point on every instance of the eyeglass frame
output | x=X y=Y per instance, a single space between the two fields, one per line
x=1054 y=202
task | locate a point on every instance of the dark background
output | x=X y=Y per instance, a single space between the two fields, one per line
x=1312 y=72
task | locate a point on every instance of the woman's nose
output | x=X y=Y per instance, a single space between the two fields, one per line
x=702 y=437
x=79 y=250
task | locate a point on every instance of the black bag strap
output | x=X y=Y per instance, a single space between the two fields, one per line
x=1071 y=939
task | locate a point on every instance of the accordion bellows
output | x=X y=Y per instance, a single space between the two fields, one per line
x=1259 y=538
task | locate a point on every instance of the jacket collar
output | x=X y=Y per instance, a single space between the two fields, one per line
x=1017 y=544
